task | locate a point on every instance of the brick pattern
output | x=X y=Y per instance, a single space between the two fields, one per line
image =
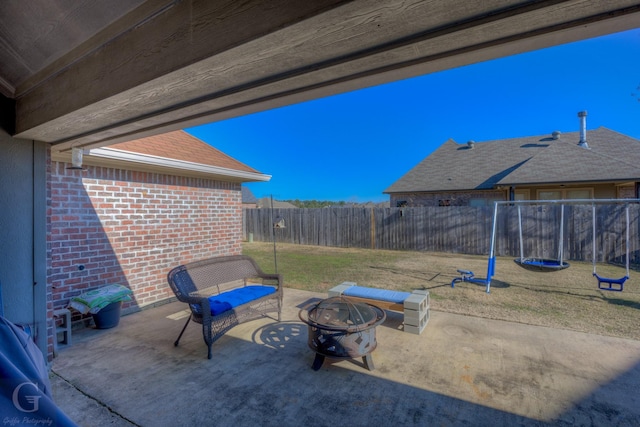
x=452 y=198
x=117 y=226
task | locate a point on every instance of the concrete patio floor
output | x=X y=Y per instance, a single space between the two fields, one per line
x=460 y=371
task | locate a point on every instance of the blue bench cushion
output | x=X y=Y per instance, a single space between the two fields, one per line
x=377 y=294
x=230 y=299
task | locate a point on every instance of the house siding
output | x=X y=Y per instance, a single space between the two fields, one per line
x=119 y=226
x=462 y=198
x=455 y=198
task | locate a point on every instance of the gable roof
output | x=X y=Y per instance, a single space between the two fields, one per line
x=175 y=152
x=180 y=145
x=247 y=196
x=611 y=156
x=266 y=202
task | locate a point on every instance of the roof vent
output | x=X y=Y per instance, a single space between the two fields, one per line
x=556 y=134
x=471 y=143
x=583 y=129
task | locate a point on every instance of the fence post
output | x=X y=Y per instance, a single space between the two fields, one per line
x=373 y=229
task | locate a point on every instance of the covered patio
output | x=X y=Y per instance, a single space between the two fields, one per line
x=77 y=76
x=460 y=371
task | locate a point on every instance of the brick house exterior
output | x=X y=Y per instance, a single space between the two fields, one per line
x=121 y=225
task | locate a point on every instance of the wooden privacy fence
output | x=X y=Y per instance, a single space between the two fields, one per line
x=455 y=229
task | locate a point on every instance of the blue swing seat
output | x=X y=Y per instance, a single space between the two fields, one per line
x=541 y=265
x=616 y=285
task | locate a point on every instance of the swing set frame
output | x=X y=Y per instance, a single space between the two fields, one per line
x=605 y=283
x=540 y=265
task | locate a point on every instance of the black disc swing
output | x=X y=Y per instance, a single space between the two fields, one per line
x=605 y=283
x=542 y=265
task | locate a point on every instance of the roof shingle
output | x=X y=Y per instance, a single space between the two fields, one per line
x=179 y=145
x=611 y=156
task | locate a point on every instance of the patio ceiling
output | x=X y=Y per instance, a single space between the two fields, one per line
x=96 y=73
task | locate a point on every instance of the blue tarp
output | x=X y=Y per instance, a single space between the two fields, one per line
x=25 y=389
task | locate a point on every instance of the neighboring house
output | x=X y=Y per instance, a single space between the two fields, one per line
x=137 y=210
x=248 y=199
x=267 y=202
x=597 y=164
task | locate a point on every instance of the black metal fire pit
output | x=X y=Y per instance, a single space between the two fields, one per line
x=342 y=328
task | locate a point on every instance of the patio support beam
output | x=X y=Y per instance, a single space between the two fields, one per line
x=162 y=38
x=186 y=63
x=7 y=114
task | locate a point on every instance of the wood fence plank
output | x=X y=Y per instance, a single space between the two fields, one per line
x=454 y=229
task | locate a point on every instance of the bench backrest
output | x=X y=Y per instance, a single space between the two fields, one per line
x=211 y=274
x=217 y=271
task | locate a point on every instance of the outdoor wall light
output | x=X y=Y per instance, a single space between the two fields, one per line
x=76 y=158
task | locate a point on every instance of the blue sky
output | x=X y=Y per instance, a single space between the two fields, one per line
x=353 y=146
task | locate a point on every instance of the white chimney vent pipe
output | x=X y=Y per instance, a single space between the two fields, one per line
x=583 y=129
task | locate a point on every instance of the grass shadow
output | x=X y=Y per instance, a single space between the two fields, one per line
x=429 y=276
x=622 y=302
x=600 y=296
x=440 y=285
x=495 y=284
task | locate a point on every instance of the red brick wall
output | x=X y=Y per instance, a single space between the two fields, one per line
x=118 y=226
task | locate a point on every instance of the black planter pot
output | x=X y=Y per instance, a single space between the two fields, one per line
x=109 y=316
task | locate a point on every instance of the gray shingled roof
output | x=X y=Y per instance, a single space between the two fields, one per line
x=247 y=196
x=611 y=156
x=265 y=202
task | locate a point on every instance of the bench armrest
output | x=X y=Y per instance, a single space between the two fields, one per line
x=271 y=279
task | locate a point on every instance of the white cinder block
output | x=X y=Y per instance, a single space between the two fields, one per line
x=412 y=317
x=412 y=329
x=417 y=301
x=338 y=290
x=416 y=307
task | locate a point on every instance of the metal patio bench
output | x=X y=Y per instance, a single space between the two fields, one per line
x=223 y=292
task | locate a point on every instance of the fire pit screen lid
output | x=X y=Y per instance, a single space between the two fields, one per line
x=341 y=313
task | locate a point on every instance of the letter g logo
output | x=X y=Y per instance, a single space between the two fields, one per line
x=33 y=400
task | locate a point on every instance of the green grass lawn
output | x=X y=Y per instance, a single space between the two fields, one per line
x=568 y=299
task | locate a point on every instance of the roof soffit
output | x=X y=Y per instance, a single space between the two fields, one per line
x=174 y=66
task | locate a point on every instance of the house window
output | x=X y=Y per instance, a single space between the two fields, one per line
x=573 y=193
x=521 y=195
x=579 y=193
x=549 y=194
x=444 y=202
x=401 y=204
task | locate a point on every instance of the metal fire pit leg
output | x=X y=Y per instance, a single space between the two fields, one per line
x=317 y=362
x=368 y=362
